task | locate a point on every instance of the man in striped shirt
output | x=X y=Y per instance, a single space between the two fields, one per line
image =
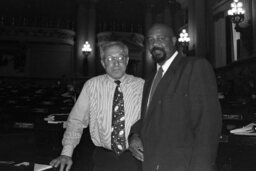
x=94 y=109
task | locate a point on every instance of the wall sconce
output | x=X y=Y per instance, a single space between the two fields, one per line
x=86 y=50
x=183 y=42
x=236 y=12
x=184 y=39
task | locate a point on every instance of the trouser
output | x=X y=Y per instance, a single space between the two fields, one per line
x=107 y=160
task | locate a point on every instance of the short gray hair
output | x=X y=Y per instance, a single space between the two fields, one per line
x=109 y=44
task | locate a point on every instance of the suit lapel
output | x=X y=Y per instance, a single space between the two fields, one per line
x=146 y=91
x=163 y=85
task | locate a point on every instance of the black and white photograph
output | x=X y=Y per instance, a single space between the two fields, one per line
x=127 y=85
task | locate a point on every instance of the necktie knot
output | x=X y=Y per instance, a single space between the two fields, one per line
x=160 y=71
x=118 y=82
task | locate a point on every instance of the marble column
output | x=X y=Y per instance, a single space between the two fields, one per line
x=254 y=25
x=167 y=15
x=210 y=32
x=81 y=37
x=148 y=63
x=191 y=25
x=92 y=40
x=200 y=19
x=148 y=18
x=197 y=27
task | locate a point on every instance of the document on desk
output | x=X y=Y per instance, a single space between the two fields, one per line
x=246 y=130
x=41 y=167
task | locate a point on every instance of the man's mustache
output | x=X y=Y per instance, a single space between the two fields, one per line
x=155 y=49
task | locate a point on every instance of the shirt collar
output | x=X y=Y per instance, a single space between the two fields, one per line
x=122 y=79
x=167 y=63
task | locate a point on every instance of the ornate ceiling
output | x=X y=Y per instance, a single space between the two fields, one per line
x=118 y=11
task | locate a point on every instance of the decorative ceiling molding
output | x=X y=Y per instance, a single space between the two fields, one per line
x=28 y=34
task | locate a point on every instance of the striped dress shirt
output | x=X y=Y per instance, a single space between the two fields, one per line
x=94 y=108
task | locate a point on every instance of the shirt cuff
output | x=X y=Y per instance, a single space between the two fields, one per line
x=67 y=150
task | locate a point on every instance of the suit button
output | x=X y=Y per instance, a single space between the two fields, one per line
x=159 y=101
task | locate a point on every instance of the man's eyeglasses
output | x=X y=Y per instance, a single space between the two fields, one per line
x=160 y=39
x=113 y=58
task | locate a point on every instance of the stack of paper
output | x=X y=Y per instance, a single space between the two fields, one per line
x=41 y=167
x=57 y=118
x=246 y=130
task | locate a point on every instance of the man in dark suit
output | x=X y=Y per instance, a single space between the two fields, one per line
x=181 y=117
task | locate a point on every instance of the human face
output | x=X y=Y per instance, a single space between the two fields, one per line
x=161 y=43
x=115 y=62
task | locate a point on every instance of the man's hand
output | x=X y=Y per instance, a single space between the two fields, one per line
x=136 y=147
x=62 y=161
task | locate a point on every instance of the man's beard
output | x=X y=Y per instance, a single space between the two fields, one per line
x=158 y=54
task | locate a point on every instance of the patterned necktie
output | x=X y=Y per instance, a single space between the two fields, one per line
x=156 y=80
x=118 y=121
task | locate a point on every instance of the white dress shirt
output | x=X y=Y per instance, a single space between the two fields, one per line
x=94 y=108
x=167 y=64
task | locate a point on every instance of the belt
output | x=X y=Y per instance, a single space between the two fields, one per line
x=109 y=151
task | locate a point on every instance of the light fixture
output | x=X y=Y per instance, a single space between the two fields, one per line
x=86 y=49
x=236 y=12
x=184 y=39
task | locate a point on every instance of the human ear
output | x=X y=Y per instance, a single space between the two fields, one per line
x=127 y=60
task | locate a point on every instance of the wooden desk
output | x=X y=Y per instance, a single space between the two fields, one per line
x=243 y=152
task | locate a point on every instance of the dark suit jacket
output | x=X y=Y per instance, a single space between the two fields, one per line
x=181 y=127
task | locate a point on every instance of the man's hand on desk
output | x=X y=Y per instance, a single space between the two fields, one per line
x=136 y=147
x=62 y=161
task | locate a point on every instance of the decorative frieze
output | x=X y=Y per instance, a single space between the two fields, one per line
x=34 y=34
